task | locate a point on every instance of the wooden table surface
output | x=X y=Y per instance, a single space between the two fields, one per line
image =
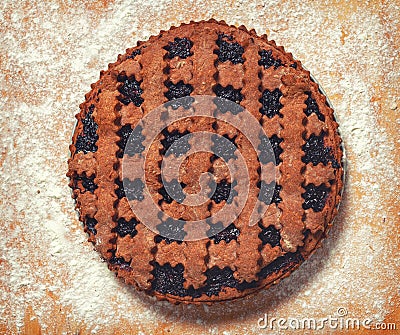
x=51 y=279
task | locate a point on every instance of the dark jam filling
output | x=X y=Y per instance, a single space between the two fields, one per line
x=269 y=235
x=180 y=47
x=177 y=91
x=284 y=263
x=234 y=97
x=315 y=197
x=120 y=262
x=169 y=280
x=265 y=149
x=218 y=233
x=270 y=103
x=130 y=90
x=86 y=141
x=223 y=192
x=87 y=182
x=119 y=191
x=134 y=53
x=171 y=191
x=132 y=138
x=265 y=192
x=267 y=60
x=228 y=93
x=312 y=107
x=229 y=51
x=223 y=147
x=170 y=137
x=124 y=134
x=171 y=231
x=90 y=224
x=315 y=151
x=133 y=189
x=124 y=227
x=217 y=279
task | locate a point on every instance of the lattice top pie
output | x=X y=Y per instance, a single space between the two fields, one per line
x=207 y=58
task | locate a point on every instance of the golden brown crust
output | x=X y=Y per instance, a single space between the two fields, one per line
x=246 y=262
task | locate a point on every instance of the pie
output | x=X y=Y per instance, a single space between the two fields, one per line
x=244 y=74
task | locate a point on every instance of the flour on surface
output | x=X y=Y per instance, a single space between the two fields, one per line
x=50 y=55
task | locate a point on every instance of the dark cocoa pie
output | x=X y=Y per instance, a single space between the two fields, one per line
x=206 y=58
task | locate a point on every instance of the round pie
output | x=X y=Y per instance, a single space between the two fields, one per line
x=273 y=166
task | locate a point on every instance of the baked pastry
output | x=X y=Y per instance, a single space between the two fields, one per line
x=174 y=70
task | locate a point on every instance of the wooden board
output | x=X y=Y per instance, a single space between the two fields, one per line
x=51 y=279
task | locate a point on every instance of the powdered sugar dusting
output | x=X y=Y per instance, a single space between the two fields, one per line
x=49 y=273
